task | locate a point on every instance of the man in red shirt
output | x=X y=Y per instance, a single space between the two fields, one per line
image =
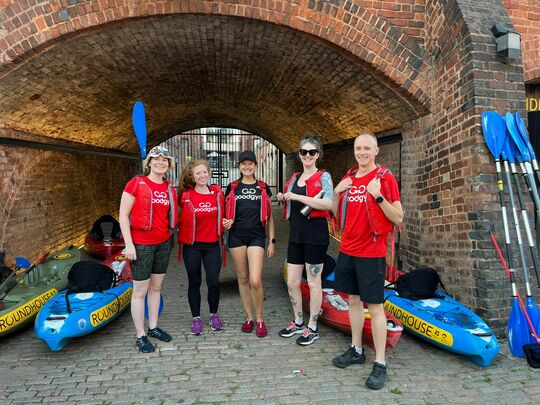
x=368 y=212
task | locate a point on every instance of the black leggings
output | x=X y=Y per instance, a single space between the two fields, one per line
x=208 y=254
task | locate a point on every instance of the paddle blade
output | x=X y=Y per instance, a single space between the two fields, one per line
x=524 y=135
x=509 y=151
x=534 y=315
x=494 y=129
x=139 y=126
x=161 y=304
x=22 y=263
x=516 y=137
x=518 y=330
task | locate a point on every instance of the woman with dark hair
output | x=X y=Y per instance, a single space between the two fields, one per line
x=249 y=220
x=200 y=233
x=147 y=218
x=308 y=197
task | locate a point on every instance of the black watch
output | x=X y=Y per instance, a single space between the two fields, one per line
x=379 y=199
x=273 y=240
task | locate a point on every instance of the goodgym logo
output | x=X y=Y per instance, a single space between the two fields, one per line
x=160 y=197
x=205 y=207
x=357 y=194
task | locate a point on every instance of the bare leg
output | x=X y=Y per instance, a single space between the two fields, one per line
x=239 y=255
x=294 y=274
x=356 y=317
x=137 y=305
x=314 y=272
x=154 y=298
x=378 y=324
x=256 y=260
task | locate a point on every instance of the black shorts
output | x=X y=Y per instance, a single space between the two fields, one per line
x=363 y=276
x=300 y=253
x=151 y=259
x=234 y=241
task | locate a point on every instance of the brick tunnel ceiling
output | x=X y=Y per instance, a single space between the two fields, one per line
x=194 y=71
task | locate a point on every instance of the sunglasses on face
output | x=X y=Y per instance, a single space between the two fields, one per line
x=311 y=152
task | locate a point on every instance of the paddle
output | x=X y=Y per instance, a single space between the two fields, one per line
x=139 y=126
x=508 y=155
x=524 y=135
x=161 y=305
x=517 y=334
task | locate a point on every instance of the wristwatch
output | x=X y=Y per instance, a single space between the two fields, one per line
x=273 y=240
x=379 y=199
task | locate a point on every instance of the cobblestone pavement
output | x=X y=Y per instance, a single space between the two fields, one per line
x=230 y=366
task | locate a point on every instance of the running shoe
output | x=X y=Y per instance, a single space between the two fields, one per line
x=215 y=322
x=196 y=326
x=144 y=345
x=291 y=330
x=247 y=327
x=308 y=337
x=159 y=334
x=377 y=377
x=261 y=329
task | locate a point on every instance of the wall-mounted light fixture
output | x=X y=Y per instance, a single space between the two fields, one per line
x=508 y=41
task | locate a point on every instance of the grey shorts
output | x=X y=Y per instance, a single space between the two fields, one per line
x=151 y=259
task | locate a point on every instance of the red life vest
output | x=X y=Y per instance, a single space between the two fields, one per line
x=141 y=213
x=266 y=205
x=188 y=220
x=378 y=222
x=313 y=187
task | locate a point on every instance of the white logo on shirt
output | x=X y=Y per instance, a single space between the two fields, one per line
x=357 y=194
x=160 y=197
x=205 y=207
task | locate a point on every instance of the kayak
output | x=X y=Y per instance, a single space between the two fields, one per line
x=447 y=324
x=23 y=295
x=335 y=309
x=90 y=311
x=104 y=238
x=335 y=313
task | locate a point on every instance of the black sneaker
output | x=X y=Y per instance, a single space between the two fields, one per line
x=144 y=345
x=159 y=334
x=291 y=330
x=308 y=337
x=377 y=377
x=351 y=356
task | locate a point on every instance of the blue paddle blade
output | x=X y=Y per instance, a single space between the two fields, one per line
x=534 y=315
x=22 y=263
x=139 y=126
x=509 y=150
x=518 y=330
x=161 y=304
x=516 y=137
x=494 y=129
x=524 y=135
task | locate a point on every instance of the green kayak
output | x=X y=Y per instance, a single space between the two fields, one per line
x=23 y=295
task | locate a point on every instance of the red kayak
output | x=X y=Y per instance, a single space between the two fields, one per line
x=105 y=238
x=335 y=313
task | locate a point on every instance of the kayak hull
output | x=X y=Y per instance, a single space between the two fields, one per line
x=90 y=312
x=447 y=324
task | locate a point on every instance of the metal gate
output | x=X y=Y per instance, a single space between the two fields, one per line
x=221 y=147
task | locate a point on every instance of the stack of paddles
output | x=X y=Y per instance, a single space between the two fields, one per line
x=508 y=141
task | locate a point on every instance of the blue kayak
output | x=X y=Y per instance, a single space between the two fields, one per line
x=89 y=312
x=446 y=323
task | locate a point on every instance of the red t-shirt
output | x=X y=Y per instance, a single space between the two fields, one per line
x=206 y=214
x=159 y=232
x=357 y=239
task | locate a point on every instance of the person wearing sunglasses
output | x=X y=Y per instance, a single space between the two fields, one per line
x=367 y=204
x=307 y=198
x=147 y=218
x=200 y=235
x=249 y=220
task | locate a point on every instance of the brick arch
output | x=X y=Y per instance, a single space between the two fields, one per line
x=382 y=46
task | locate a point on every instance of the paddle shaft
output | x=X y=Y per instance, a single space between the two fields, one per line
x=525 y=217
x=515 y=294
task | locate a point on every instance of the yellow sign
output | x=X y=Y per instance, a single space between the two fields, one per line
x=62 y=256
x=120 y=258
x=419 y=325
x=533 y=104
x=25 y=311
x=109 y=311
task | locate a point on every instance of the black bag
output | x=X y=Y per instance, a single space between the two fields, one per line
x=419 y=284
x=88 y=276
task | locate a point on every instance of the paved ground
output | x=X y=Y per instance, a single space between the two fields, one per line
x=230 y=366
